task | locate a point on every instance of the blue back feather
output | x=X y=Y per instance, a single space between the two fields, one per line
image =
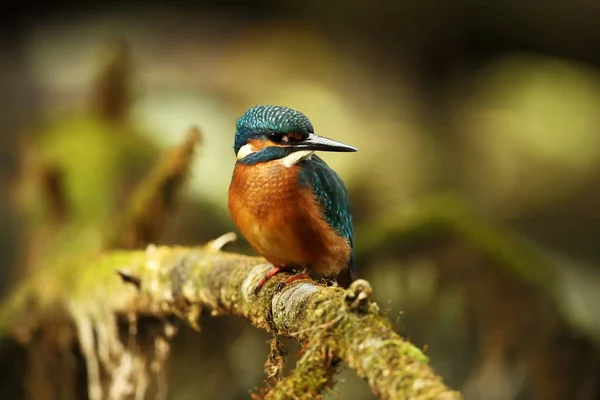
x=333 y=196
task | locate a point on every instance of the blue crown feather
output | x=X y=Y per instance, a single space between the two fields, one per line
x=261 y=119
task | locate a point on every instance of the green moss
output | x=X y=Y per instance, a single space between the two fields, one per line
x=223 y=283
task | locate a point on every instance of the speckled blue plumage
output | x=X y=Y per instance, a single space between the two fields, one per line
x=260 y=119
x=333 y=197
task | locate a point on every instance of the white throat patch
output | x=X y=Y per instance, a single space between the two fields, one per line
x=245 y=150
x=297 y=156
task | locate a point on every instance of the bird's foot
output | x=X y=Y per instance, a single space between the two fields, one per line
x=300 y=275
x=270 y=273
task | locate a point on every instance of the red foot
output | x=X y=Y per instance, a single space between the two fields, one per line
x=274 y=271
x=271 y=273
x=301 y=275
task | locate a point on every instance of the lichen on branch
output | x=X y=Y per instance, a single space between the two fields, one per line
x=331 y=323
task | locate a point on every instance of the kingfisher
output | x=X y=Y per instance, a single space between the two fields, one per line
x=291 y=207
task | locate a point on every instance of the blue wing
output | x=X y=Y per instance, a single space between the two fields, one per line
x=333 y=196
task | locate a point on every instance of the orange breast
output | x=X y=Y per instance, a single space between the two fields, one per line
x=283 y=221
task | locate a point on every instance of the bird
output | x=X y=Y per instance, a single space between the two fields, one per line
x=292 y=208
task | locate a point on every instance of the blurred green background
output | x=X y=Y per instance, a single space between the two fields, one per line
x=496 y=103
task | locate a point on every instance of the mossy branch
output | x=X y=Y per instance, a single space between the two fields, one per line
x=332 y=324
x=312 y=375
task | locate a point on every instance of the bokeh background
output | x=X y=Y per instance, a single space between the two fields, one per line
x=488 y=112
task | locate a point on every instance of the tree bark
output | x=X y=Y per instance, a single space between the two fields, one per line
x=331 y=323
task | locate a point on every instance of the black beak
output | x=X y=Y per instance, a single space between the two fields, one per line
x=320 y=143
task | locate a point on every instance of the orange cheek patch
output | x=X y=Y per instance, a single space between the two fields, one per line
x=258 y=144
x=294 y=137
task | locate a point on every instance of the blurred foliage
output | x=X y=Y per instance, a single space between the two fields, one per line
x=495 y=102
x=76 y=170
x=541 y=113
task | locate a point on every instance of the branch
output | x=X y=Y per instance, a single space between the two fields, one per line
x=332 y=324
x=154 y=197
x=112 y=94
x=52 y=182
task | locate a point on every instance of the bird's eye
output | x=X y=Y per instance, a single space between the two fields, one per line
x=275 y=137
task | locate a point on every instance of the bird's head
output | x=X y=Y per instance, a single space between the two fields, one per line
x=266 y=133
